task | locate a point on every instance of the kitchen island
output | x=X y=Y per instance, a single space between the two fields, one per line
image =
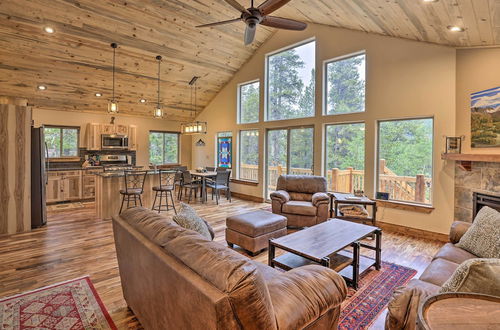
x=107 y=192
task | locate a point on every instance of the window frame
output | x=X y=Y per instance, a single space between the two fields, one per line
x=325 y=146
x=325 y=81
x=61 y=127
x=377 y=159
x=163 y=153
x=238 y=102
x=239 y=154
x=217 y=136
x=266 y=77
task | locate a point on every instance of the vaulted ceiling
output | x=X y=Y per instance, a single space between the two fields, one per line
x=75 y=61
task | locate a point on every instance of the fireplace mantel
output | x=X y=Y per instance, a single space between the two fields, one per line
x=467 y=159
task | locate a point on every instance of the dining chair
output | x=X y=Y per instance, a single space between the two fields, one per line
x=165 y=189
x=221 y=182
x=221 y=169
x=189 y=183
x=210 y=169
x=134 y=187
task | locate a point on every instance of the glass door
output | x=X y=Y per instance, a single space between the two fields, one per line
x=289 y=151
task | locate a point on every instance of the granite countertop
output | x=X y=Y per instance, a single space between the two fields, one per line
x=74 y=168
x=118 y=174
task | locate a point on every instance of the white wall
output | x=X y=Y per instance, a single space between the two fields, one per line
x=405 y=79
x=144 y=125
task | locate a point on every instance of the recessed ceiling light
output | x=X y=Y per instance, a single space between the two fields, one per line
x=454 y=28
x=98 y=94
x=49 y=29
x=42 y=87
x=143 y=100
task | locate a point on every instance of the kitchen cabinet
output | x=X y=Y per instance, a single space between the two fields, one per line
x=121 y=129
x=132 y=137
x=64 y=186
x=107 y=129
x=88 y=183
x=93 y=136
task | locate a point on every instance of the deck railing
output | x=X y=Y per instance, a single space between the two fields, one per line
x=404 y=188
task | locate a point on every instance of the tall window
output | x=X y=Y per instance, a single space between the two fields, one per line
x=291 y=83
x=345 y=85
x=249 y=155
x=163 y=148
x=405 y=159
x=61 y=141
x=345 y=157
x=225 y=149
x=248 y=103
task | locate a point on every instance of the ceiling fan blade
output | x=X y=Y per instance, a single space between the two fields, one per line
x=250 y=34
x=237 y=6
x=269 y=6
x=283 y=23
x=220 y=23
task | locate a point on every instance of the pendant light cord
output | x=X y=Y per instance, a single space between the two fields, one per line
x=159 y=62
x=114 y=55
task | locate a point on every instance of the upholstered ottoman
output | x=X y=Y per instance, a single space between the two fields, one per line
x=253 y=230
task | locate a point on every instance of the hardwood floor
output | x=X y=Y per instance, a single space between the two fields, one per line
x=75 y=243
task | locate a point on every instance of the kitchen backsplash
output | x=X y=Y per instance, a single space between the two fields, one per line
x=82 y=152
x=483 y=177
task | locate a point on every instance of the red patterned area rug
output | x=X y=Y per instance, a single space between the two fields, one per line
x=73 y=305
x=362 y=307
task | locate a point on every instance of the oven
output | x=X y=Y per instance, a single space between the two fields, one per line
x=113 y=141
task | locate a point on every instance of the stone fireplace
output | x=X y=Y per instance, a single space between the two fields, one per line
x=483 y=177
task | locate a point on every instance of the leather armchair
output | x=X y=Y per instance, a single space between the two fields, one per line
x=301 y=199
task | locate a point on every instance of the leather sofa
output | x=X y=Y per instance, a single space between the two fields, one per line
x=403 y=306
x=174 y=278
x=302 y=199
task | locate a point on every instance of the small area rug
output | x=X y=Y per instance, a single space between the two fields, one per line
x=363 y=306
x=73 y=305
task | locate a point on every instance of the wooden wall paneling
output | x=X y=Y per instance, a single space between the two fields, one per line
x=4 y=169
x=21 y=135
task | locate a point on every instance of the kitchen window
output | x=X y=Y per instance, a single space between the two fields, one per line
x=61 y=141
x=163 y=148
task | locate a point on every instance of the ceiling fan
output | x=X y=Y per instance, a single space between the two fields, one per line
x=254 y=16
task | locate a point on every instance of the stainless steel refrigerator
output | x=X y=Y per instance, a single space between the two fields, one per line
x=38 y=178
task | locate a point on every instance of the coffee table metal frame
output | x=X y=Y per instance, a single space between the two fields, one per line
x=295 y=257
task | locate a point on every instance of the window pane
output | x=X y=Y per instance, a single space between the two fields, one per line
x=53 y=141
x=171 y=148
x=345 y=157
x=69 y=142
x=405 y=158
x=301 y=151
x=346 y=85
x=249 y=155
x=249 y=103
x=224 y=149
x=291 y=83
x=156 y=148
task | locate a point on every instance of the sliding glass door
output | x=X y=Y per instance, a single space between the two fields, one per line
x=289 y=151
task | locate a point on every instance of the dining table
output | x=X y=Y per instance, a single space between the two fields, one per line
x=203 y=176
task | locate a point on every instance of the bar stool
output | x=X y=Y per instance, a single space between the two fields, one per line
x=134 y=187
x=166 y=187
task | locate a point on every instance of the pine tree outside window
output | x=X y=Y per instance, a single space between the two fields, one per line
x=61 y=141
x=248 y=102
x=163 y=148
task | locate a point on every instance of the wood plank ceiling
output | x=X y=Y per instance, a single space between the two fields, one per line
x=75 y=61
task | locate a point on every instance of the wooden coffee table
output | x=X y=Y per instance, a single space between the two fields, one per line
x=325 y=244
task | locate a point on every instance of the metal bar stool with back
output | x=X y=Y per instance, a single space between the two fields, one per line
x=167 y=186
x=134 y=187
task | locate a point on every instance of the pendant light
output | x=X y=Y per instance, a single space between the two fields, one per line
x=113 y=105
x=194 y=127
x=158 y=111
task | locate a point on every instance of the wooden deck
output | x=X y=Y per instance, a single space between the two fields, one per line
x=76 y=243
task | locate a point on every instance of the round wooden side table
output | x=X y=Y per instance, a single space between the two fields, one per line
x=459 y=310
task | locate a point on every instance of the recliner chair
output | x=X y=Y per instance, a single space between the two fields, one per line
x=302 y=199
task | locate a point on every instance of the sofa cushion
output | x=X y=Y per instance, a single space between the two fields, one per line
x=189 y=219
x=230 y=272
x=454 y=254
x=302 y=183
x=256 y=223
x=483 y=237
x=299 y=207
x=438 y=272
x=478 y=275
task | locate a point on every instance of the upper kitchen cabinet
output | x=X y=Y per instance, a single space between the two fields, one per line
x=107 y=129
x=121 y=129
x=132 y=137
x=93 y=136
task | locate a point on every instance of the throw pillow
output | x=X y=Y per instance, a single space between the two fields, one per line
x=478 y=275
x=189 y=219
x=483 y=237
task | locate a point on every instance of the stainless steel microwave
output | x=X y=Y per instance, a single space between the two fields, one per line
x=113 y=141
